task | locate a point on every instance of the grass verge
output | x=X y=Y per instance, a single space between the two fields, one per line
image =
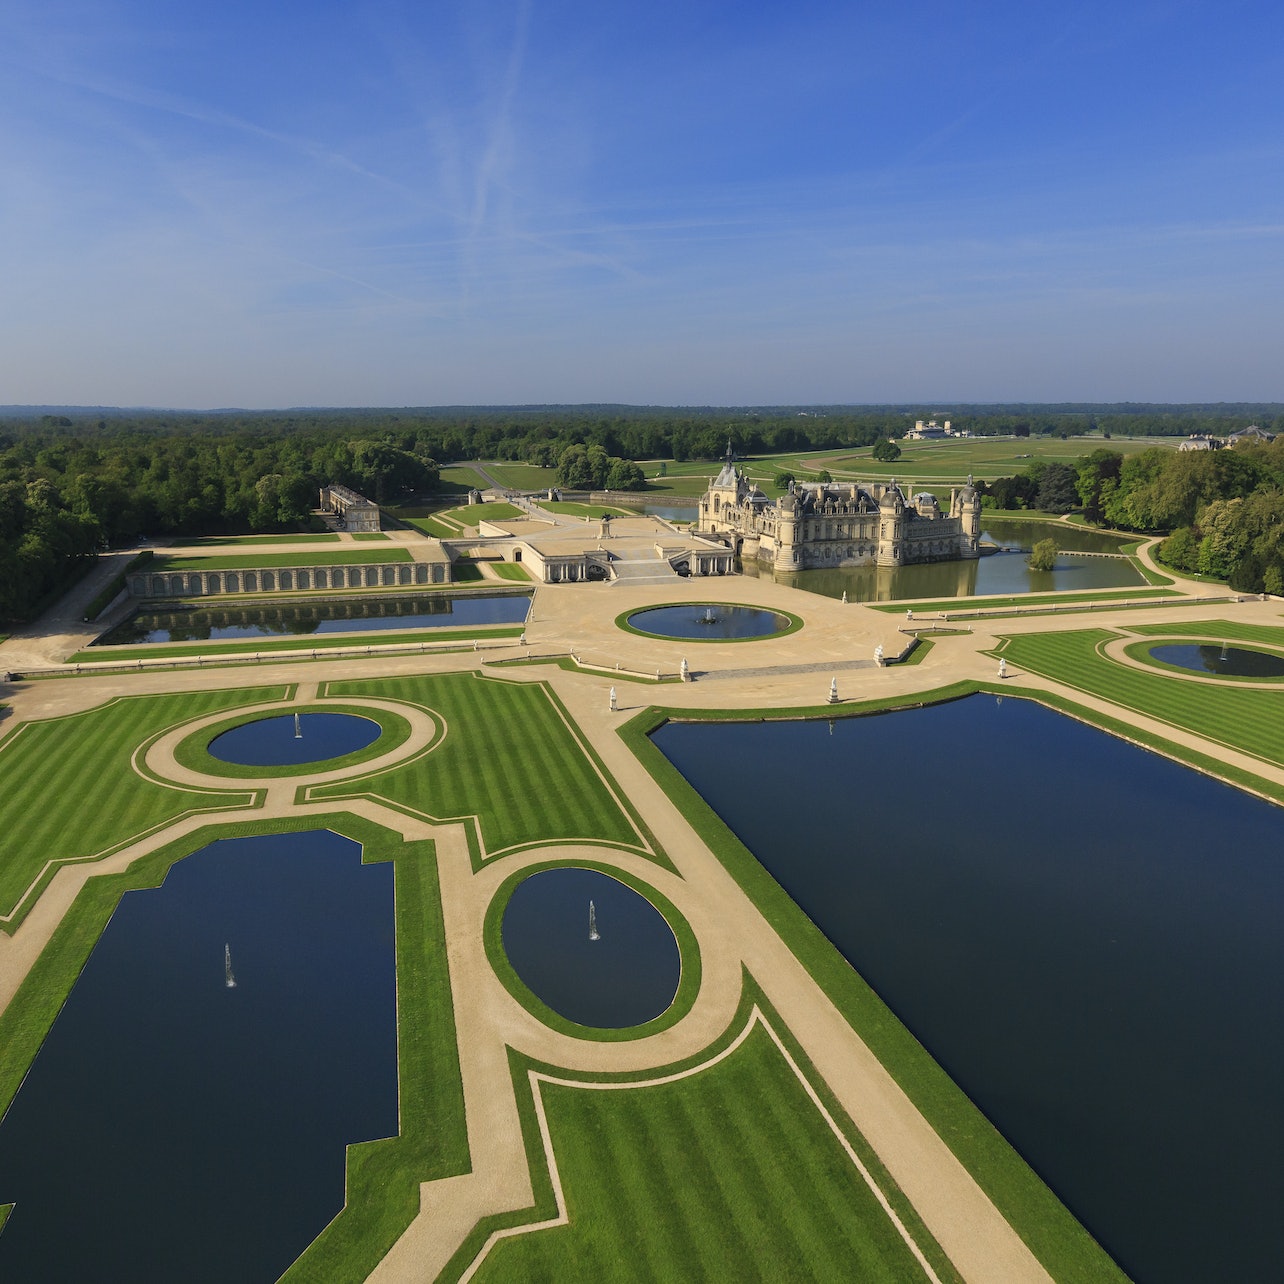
x=688 y=949
x=1016 y=604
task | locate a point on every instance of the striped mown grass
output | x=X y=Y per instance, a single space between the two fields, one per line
x=1250 y=721
x=1220 y=630
x=81 y=767
x=511 y=571
x=509 y=757
x=1020 y=602
x=729 y=1173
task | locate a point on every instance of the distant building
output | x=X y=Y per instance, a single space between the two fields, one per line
x=1250 y=435
x=357 y=512
x=930 y=431
x=1198 y=441
x=839 y=523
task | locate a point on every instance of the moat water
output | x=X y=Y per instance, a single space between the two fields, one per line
x=1225 y=661
x=999 y=574
x=622 y=974
x=173 y=1127
x=303 y=619
x=1085 y=935
x=285 y=740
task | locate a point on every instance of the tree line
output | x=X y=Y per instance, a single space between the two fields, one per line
x=72 y=484
x=1223 y=510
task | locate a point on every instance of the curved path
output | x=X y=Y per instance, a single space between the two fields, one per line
x=779 y=672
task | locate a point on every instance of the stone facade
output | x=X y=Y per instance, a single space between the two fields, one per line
x=287 y=579
x=358 y=513
x=839 y=523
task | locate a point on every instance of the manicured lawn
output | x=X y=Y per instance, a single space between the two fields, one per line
x=1221 y=630
x=321 y=537
x=942 y=463
x=1018 y=602
x=430 y=526
x=495 y=511
x=254 y=561
x=368 y=537
x=511 y=571
x=509 y=757
x=460 y=477
x=729 y=1174
x=1251 y=721
x=82 y=766
x=521 y=476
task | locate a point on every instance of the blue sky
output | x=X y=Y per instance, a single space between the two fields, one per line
x=276 y=203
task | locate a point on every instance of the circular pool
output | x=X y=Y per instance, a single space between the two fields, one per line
x=294 y=738
x=591 y=948
x=709 y=622
x=1225 y=661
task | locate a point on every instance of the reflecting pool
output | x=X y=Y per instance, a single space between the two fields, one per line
x=1226 y=661
x=617 y=967
x=1085 y=935
x=173 y=1127
x=708 y=621
x=303 y=619
x=291 y=738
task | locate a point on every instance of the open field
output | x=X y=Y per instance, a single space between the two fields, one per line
x=253 y=561
x=518 y=476
x=939 y=463
x=460 y=479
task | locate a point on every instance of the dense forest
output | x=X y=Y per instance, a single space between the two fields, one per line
x=73 y=482
x=1224 y=508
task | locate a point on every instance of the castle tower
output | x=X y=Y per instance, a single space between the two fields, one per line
x=891 y=526
x=965 y=504
x=787 y=554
